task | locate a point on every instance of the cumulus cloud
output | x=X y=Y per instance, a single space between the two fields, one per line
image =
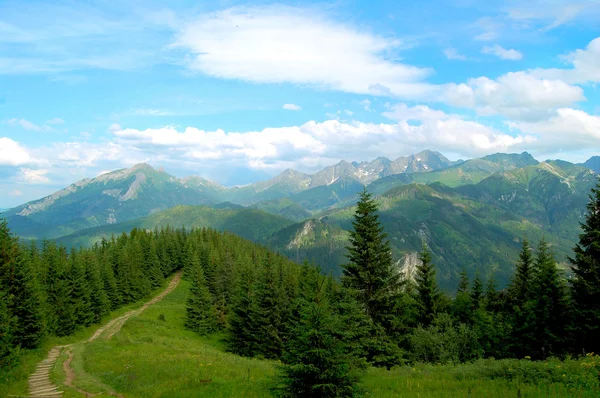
x=277 y=44
x=13 y=154
x=585 y=62
x=518 y=95
x=567 y=129
x=291 y=107
x=452 y=53
x=502 y=53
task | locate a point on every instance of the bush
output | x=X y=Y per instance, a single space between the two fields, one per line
x=445 y=342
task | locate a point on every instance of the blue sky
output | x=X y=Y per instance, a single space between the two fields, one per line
x=238 y=91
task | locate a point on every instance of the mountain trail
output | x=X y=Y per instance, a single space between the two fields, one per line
x=40 y=385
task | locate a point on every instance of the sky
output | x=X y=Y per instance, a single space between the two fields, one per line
x=236 y=92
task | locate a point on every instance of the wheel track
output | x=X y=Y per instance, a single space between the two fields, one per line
x=39 y=383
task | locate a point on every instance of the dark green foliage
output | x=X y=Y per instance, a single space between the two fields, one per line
x=201 y=314
x=268 y=320
x=242 y=338
x=317 y=363
x=585 y=285
x=370 y=271
x=550 y=305
x=7 y=349
x=462 y=306
x=477 y=292
x=427 y=291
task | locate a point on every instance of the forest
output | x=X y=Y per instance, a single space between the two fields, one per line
x=325 y=332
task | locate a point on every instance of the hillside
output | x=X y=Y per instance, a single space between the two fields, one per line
x=251 y=224
x=108 y=199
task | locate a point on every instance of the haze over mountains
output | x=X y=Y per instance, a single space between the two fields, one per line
x=472 y=213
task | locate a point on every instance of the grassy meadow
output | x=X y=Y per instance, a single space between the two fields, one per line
x=154 y=356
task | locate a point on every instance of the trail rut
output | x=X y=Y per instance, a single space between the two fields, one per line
x=40 y=385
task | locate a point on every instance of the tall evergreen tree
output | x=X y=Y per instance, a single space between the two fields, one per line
x=201 y=314
x=550 y=304
x=268 y=320
x=316 y=362
x=428 y=293
x=7 y=349
x=477 y=292
x=585 y=285
x=27 y=306
x=521 y=316
x=370 y=271
x=462 y=305
x=241 y=338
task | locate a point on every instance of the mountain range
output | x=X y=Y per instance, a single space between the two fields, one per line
x=473 y=214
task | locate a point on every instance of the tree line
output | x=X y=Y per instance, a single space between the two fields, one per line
x=47 y=290
x=326 y=331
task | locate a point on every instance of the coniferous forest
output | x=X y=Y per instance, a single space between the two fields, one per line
x=325 y=332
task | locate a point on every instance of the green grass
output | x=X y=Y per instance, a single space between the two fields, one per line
x=154 y=358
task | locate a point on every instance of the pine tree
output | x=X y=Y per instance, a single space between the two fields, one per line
x=550 y=304
x=521 y=283
x=80 y=297
x=99 y=301
x=201 y=314
x=428 y=293
x=521 y=316
x=7 y=349
x=585 y=285
x=477 y=292
x=370 y=271
x=316 y=362
x=268 y=320
x=27 y=306
x=462 y=305
x=241 y=338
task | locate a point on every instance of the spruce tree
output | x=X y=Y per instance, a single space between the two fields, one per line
x=462 y=305
x=477 y=292
x=201 y=314
x=370 y=271
x=7 y=349
x=27 y=307
x=521 y=316
x=99 y=300
x=316 y=362
x=268 y=320
x=585 y=285
x=428 y=293
x=242 y=338
x=521 y=282
x=550 y=304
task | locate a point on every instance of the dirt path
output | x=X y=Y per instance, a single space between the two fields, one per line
x=40 y=385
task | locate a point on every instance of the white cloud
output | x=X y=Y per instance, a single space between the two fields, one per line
x=518 y=95
x=15 y=192
x=12 y=154
x=315 y=143
x=567 y=129
x=348 y=112
x=585 y=62
x=56 y=120
x=452 y=53
x=277 y=44
x=502 y=53
x=552 y=14
x=366 y=104
x=31 y=176
x=27 y=125
x=291 y=107
x=402 y=112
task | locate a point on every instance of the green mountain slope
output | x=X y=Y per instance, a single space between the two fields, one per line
x=284 y=207
x=110 y=198
x=251 y=224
